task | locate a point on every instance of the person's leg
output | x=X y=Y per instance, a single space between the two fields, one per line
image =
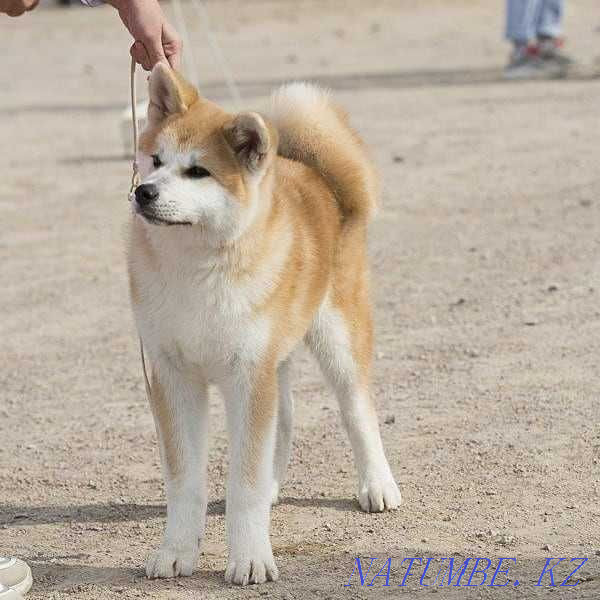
x=522 y=17
x=549 y=24
x=550 y=41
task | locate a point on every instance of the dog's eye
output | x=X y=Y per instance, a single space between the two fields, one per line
x=197 y=172
x=156 y=161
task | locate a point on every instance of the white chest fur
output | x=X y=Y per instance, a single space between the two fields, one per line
x=193 y=312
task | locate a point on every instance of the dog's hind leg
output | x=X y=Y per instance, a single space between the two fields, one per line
x=180 y=409
x=340 y=338
x=285 y=418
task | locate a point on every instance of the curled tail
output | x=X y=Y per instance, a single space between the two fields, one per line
x=315 y=131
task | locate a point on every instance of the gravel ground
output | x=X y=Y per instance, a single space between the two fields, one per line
x=486 y=284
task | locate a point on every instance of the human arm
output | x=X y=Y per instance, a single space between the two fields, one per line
x=15 y=8
x=155 y=39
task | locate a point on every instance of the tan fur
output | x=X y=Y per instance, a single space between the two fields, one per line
x=262 y=410
x=351 y=293
x=164 y=418
x=324 y=140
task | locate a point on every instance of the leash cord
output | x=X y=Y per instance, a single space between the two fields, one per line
x=217 y=53
x=135 y=176
x=135 y=181
x=218 y=56
x=145 y=372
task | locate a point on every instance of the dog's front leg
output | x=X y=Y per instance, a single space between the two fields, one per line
x=180 y=409
x=251 y=402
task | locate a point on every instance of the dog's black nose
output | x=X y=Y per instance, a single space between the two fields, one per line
x=146 y=194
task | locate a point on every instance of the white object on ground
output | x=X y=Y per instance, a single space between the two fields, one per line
x=9 y=594
x=15 y=575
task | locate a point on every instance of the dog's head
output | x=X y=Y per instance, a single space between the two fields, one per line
x=200 y=165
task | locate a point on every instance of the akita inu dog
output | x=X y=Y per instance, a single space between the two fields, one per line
x=249 y=236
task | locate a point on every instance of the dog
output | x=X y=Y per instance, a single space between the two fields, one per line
x=248 y=235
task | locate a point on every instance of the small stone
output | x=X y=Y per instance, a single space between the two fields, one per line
x=398 y=159
x=546 y=548
x=505 y=539
x=390 y=419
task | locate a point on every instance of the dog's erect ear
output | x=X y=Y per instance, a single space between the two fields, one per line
x=170 y=93
x=251 y=139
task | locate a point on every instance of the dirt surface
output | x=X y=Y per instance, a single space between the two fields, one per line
x=486 y=285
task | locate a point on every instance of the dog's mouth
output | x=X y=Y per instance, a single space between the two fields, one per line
x=157 y=221
x=154 y=220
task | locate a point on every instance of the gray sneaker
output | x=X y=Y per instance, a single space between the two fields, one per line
x=551 y=52
x=524 y=63
x=15 y=576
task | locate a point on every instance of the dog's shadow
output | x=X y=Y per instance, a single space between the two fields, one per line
x=17 y=516
x=55 y=575
x=71 y=571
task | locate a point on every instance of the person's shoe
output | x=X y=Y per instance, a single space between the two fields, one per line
x=554 y=58
x=15 y=575
x=524 y=63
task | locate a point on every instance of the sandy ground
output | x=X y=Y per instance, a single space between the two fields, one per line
x=487 y=285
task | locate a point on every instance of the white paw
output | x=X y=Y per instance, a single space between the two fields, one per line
x=243 y=570
x=377 y=494
x=274 y=493
x=170 y=561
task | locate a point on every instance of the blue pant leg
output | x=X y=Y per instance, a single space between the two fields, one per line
x=522 y=19
x=550 y=18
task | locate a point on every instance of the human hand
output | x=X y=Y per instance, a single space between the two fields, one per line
x=155 y=40
x=15 y=8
